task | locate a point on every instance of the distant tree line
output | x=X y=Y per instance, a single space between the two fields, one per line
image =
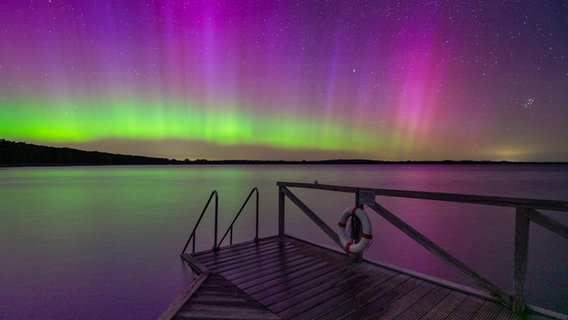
x=23 y=154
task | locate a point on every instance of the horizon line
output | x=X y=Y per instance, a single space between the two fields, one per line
x=279 y=161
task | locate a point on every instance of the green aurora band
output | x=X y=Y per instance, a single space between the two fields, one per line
x=81 y=120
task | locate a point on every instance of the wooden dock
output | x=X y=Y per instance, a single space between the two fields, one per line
x=282 y=277
x=291 y=279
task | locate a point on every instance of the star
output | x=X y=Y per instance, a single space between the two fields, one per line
x=528 y=103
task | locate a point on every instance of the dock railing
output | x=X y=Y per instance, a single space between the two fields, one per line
x=217 y=245
x=230 y=229
x=192 y=235
x=526 y=211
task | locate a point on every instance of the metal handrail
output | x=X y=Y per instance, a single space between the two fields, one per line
x=230 y=229
x=192 y=235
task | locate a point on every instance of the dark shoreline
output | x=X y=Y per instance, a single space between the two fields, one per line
x=361 y=162
x=19 y=154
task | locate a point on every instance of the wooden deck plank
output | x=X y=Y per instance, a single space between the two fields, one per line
x=268 y=253
x=216 y=312
x=252 y=285
x=314 y=288
x=466 y=309
x=404 y=302
x=445 y=307
x=508 y=315
x=274 y=271
x=218 y=298
x=227 y=298
x=327 y=258
x=363 y=298
x=231 y=257
x=314 y=297
x=230 y=260
x=386 y=301
x=265 y=266
x=283 y=293
x=293 y=282
x=422 y=306
x=250 y=262
x=236 y=268
x=362 y=290
x=226 y=254
x=292 y=279
x=210 y=254
x=488 y=310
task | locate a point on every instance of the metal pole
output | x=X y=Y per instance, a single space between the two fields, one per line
x=192 y=235
x=193 y=247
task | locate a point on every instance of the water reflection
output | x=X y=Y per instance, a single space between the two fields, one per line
x=81 y=238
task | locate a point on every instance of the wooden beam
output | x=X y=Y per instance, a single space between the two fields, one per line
x=548 y=223
x=320 y=223
x=179 y=302
x=521 y=254
x=281 y=212
x=439 y=196
x=443 y=255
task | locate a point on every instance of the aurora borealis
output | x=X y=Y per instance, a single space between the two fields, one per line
x=292 y=80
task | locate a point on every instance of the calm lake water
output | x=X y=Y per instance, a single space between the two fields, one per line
x=104 y=242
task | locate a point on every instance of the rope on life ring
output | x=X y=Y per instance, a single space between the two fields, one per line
x=352 y=245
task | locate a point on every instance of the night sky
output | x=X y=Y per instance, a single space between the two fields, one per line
x=293 y=80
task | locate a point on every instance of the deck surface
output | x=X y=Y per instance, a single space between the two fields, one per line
x=291 y=279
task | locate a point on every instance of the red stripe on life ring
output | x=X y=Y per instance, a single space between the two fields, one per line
x=366 y=236
x=347 y=246
x=341 y=225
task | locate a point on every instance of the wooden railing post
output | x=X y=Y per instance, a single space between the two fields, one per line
x=281 y=212
x=521 y=255
x=256 y=238
x=215 y=246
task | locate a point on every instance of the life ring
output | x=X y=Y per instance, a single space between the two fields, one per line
x=366 y=235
